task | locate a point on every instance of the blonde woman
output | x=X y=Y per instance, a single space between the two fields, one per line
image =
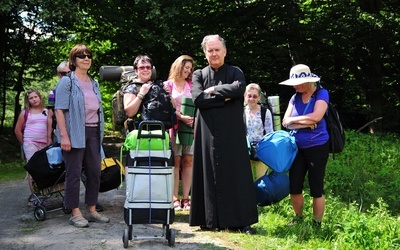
x=179 y=85
x=256 y=127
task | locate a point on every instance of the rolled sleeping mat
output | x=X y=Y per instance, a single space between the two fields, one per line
x=113 y=73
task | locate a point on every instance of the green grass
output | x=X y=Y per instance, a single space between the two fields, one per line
x=12 y=171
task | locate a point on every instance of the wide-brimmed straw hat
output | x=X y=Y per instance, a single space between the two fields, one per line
x=300 y=74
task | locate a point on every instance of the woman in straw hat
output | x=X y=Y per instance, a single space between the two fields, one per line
x=305 y=117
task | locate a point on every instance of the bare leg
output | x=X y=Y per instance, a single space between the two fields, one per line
x=186 y=175
x=177 y=165
x=318 y=208
x=298 y=204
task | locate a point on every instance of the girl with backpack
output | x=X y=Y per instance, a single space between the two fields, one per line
x=33 y=129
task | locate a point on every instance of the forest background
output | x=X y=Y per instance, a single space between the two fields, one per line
x=353 y=45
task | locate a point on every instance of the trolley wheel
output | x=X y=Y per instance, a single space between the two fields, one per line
x=66 y=210
x=171 y=237
x=125 y=239
x=40 y=213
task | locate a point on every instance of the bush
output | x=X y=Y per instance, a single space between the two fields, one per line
x=367 y=169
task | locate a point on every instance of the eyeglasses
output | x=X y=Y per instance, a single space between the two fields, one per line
x=82 y=56
x=63 y=73
x=252 y=96
x=144 y=67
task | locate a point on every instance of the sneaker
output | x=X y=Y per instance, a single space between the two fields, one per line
x=295 y=221
x=177 y=205
x=186 y=204
x=99 y=208
x=78 y=221
x=96 y=217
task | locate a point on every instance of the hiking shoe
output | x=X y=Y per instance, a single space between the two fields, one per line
x=99 y=208
x=186 y=204
x=177 y=205
x=96 y=217
x=78 y=221
x=295 y=221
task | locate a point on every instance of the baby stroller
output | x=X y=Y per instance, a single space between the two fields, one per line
x=48 y=173
x=149 y=181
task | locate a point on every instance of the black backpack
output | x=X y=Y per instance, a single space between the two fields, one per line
x=335 y=129
x=117 y=102
x=337 y=137
x=157 y=105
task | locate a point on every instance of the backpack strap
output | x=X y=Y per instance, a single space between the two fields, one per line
x=263 y=114
x=26 y=113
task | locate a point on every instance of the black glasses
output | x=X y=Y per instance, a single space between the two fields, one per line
x=63 y=73
x=82 y=56
x=144 y=67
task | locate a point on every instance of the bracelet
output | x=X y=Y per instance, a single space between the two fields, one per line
x=140 y=96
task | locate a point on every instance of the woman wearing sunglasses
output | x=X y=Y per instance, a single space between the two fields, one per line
x=80 y=131
x=256 y=126
x=134 y=93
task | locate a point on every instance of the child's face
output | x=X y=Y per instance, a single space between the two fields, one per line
x=34 y=99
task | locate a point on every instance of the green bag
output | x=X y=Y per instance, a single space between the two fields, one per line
x=155 y=143
x=185 y=133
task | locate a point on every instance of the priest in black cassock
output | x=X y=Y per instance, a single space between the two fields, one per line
x=223 y=193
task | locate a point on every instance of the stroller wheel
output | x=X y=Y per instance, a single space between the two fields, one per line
x=171 y=238
x=40 y=213
x=125 y=239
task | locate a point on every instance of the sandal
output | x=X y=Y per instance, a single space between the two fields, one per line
x=177 y=205
x=78 y=221
x=186 y=204
x=96 y=217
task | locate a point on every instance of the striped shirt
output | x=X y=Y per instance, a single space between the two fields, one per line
x=36 y=128
x=72 y=101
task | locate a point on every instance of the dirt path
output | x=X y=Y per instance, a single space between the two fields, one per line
x=20 y=230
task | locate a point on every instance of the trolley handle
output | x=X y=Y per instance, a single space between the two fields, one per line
x=149 y=126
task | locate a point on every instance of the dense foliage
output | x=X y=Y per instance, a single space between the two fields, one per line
x=353 y=45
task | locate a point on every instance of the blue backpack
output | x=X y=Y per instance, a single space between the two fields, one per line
x=271 y=188
x=277 y=150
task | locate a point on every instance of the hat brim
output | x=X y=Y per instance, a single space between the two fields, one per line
x=298 y=81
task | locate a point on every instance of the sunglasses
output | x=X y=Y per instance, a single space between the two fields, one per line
x=63 y=73
x=144 y=67
x=252 y=96
x=83 y=56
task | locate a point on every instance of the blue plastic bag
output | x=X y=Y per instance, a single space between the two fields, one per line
x=54 y=156
x=271 y=188
x=277 y=150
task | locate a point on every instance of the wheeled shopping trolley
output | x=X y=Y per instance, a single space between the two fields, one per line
x=48 y=173
x=149 y=182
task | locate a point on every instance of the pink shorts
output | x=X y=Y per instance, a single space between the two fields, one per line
x=31 y=147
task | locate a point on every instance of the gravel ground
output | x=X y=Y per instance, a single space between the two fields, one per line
x=20 y=230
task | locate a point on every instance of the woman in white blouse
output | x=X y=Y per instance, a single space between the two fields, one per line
x=256 y=127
